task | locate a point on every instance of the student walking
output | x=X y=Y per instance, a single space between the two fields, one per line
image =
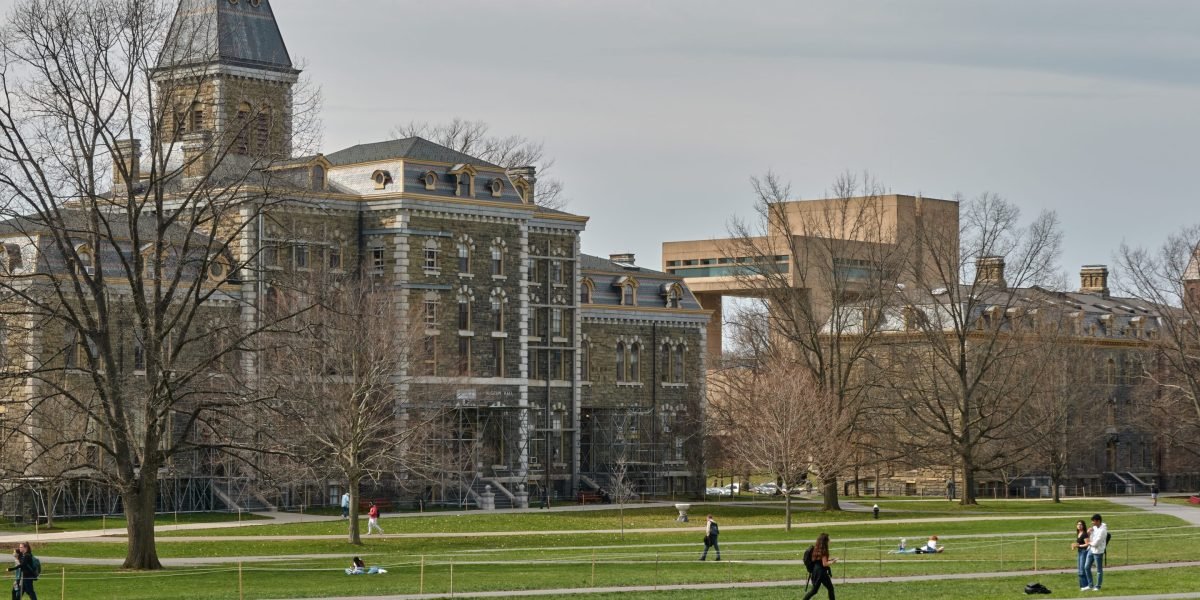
x=1080 y=546
x=711 y=533
x=28 y=569
x=822 y=574
x=346 y=505
x=373 y=519
x=1154 y=493
x=1096 y=545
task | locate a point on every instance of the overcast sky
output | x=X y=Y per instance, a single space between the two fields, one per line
x=659 y=111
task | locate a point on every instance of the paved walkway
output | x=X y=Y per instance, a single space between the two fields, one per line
x=1188 y=513
x=794 y=583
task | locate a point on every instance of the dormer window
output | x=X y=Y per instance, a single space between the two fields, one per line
x=464 y=178
x=242 y=139
x=497 y=187
x=673 y=292
x=628 y=287
x=587 y=290
x=524 y=189
x=13 y=260
x=318 y=178
x=87 y=260
x=430 y=180
x=382 y=179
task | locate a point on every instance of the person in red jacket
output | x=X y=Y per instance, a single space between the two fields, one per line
x=373 y=519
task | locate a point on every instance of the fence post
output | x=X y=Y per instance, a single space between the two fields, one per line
x=64 y=584
x=1035 y=553
x=451 y=575
x=241 y=584
x=881 y=557
x=421 y=587
x=1002 y=542
x=593 y=568
x=103 y=525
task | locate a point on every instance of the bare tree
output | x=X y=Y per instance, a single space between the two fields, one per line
x=778 y=420
x=511 y=152
x=960 y=373
x=343 y=367
x=817 y=267
x=1169 y=277
x=124 y=263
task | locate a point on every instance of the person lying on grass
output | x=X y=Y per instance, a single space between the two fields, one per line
x=931 y=547
x=357 y=567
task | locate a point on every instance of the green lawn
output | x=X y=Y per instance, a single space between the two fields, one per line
x=118 y=522
x=561 y=554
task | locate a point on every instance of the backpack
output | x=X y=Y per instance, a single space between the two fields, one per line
x=715 y=530
x=37 y=567
x=809 y=563
x=1036 y=588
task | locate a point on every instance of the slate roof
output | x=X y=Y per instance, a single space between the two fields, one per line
x=414 y=148
x=650 y=290
x=208 y=32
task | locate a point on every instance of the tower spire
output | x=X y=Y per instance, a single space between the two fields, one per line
x=232 y=34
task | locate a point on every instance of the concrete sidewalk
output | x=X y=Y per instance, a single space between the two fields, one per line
x=118 y=533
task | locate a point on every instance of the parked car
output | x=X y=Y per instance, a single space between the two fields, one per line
x=768 y=488
x=717 y=491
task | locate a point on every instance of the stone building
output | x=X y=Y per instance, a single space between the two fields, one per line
x=564 y=373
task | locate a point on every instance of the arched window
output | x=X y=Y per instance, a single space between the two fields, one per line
x=318 y=178
x=464 y=313
x=464 y=258
x=635 y=373
x=87 y=260
x=430 y=180
x=586 y=290
x=431 y=255
x=1110 y=372
x=262 y=131
x=677 y=367
x=666 y=363
x=497 y=187
x=498 y=313
x=620 y=361
x=673 y=293
x=497 y=260
x=241 y=144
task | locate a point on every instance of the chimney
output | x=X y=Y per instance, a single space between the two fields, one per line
x=197 y=154
x=1093 y=279
x=525 y=178
x=624 y=257
x=990 y=270
x=127 y=156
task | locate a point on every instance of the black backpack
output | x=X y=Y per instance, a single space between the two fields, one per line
x=1036 y=588
x=713 y=528
x=809 y=563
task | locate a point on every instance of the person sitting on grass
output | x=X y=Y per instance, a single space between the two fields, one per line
x=357 y=567
x=931 y=547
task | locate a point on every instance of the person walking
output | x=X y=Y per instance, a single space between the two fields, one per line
x=1080 y=546
x=346 y=505
x=27 y=572
x=373 y=519
x=822 y=574
x=711 y=532
x=1096 y=545
x=1154 y=493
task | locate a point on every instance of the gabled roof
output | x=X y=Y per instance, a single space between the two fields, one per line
x=414 y=148
x=218 y=32
x=1192 y=272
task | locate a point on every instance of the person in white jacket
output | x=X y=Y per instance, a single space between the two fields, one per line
x=1097 y=543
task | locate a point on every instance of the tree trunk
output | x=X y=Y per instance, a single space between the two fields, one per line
x=968 y=491
x=787 y=510
x=1054 y=484
x=141 y=554
x=831 y=495
x=353 y=535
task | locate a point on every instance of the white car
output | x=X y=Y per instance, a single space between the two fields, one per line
x=717 y=491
